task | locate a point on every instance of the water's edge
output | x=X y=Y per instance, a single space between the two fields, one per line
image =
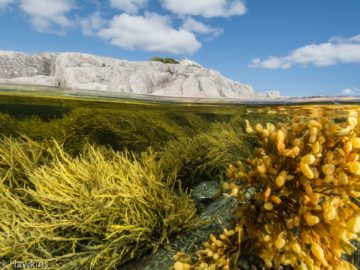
x=91 y=94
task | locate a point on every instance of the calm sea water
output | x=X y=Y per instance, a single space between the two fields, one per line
x=196 y=140
x=190 y=116
x=138 y=123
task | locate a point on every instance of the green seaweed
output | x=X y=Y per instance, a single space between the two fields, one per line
x=119 y=129
x=206 y=155
x=81 y=189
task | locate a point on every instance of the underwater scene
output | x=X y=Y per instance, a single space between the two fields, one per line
x=96 y=182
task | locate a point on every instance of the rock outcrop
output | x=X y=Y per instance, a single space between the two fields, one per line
x=88 y=72
x=17 y=64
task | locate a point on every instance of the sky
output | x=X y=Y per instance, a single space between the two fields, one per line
x=297 y=47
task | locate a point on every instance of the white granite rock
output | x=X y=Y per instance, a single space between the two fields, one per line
x=89 y=72
x=40 y=80
x=17 y=64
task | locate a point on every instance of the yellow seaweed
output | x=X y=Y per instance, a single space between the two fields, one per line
x=94 y=211
x=300 y=209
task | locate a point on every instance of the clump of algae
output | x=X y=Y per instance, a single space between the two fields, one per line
x=120 y=129
x=94 y=211
x=206 y=155
x=299 y=199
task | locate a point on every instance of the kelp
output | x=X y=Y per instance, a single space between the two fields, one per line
x=93 y=211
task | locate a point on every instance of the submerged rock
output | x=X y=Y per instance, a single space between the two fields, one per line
x=89 y=72
x=208 y=190
x=205 y=193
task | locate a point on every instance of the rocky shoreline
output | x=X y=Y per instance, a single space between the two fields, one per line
x=88 y=72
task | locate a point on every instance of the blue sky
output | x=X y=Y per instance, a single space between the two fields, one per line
x=298 y=47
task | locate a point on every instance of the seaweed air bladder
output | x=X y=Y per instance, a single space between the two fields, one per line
x=299 y=198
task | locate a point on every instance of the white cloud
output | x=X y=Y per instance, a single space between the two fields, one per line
x=129 y=6
x=5 y=3
x=48 y=16
x=347 y=91
x=336 y=50
x=151 y=32
x=206 y=8
x=351 y=91
x=91 y=24
x=195 y=26
x=339 y=39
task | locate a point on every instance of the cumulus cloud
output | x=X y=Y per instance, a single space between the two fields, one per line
x=91 y=24
x=5 y=3
x=351 y=91
x=336 y=50
x=205 y=8
x=133 y=28
x=195 y=26
x=347 y=91
x=151 y=32
x=48 y=16
x=129 y=6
